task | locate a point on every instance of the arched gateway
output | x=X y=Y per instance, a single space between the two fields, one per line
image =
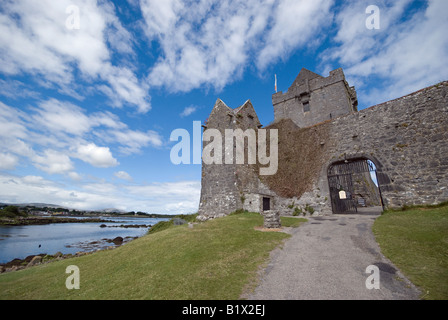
x=353 y=183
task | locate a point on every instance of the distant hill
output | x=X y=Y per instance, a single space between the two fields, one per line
x=37 y=205
x=55 y=207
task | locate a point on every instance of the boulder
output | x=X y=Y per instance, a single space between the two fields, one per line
x=117 y=241
x=36 y=260
x=14 y=262
x=179 y=221
x=272 y=219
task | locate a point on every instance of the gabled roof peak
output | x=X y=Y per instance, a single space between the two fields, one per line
x=247 y=103
x=304 y=75
x=219 y=102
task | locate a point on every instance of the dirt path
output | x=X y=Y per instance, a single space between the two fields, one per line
x=327 y=258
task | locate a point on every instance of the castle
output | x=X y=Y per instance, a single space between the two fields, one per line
x=333 y=158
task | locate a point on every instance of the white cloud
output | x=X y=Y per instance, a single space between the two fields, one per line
x=123 y=175
x=407 y=53
x=8 y=161
x=295 y=23
x=15 y=89
x=126 y=88
x=167 y=198
x=211 y=42
x=188 y=111
x=12 y=124
x=53 y=162
x=57 y=116
x=100 y=157
x=54 y=131
x=34 y=39
x=132 y=141
x=75 y=176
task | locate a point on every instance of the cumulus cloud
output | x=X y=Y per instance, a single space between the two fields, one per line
x=57 y=116
x=35 y=39
x=174 y=197
x=54 y=131
x=100 y=157
x=188 y=111
x=211 y=42
x=123 y=175
x=8 y=161
x=132 y=141
x=407 y=53
x=294 y=24
x=169 y=198
x=53 y=162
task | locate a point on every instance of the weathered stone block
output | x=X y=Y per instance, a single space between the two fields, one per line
x=272 y=219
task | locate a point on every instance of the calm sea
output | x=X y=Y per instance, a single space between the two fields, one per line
x=22 y=241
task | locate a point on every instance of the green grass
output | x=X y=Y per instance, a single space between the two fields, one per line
x=416 y=241
x=218 y=259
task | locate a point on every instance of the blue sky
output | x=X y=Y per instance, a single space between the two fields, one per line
x=90 y=91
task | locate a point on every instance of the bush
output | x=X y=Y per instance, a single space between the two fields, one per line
x=163 y=225
x=309 y=209
x=297 y=212
x=11 y=212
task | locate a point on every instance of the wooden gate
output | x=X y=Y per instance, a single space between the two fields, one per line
x=340 y=181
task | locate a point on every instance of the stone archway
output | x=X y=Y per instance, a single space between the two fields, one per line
x=353 y=183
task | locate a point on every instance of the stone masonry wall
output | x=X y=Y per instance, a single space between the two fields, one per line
x=328 y=98
x=407 y=139
x=224 y=185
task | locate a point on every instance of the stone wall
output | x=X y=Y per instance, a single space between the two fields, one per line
x=406 y=139
x=224 y=185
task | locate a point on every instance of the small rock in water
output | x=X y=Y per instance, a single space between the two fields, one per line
x=117 y=241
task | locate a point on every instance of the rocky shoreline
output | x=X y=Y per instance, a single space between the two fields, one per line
x=127 y=226
x=88 y=247
x=92 y=247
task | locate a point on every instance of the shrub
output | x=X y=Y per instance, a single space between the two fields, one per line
x=11 y=212
x=297 y=211
x=162 y=225
x=309 y=209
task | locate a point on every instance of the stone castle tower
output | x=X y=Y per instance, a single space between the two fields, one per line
x=312 y=99
x=222 y=189
x=329 y=153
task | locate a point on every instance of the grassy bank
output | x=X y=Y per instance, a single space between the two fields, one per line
x=416 y=241
x=217 y=259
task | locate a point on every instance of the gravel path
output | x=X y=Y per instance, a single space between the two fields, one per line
x=327 y=258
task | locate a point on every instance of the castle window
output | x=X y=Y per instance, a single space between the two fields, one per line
x=306 y=107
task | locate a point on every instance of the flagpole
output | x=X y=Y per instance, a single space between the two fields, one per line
x=275 y=83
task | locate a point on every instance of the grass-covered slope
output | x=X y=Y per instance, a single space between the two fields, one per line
x=217 y=259
x=416 y=241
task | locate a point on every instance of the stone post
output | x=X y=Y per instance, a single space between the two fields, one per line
x=272 y=219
